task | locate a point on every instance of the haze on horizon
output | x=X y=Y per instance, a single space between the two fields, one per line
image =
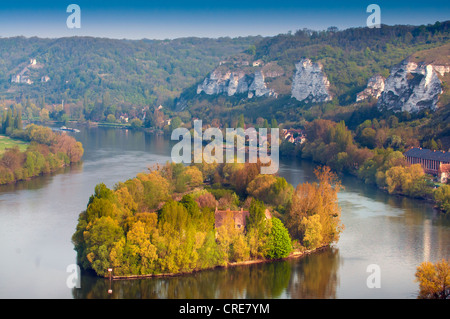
x=139 y=19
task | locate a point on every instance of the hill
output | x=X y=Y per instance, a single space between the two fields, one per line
x=312 y=74
x=139 y=72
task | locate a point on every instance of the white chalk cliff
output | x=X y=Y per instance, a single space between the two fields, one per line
x=310 y=84
x=375 y=86
x=411 y=87
x=236 y=82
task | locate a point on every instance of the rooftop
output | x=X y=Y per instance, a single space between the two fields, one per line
x=425 y=153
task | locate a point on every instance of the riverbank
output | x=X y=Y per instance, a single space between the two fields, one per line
x=43 y=151
x=427 y=193
x=294 y=255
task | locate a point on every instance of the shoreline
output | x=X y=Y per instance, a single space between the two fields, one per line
x=295 y=254
x=428 y=199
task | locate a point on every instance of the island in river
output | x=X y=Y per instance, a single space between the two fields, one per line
x=177 y=219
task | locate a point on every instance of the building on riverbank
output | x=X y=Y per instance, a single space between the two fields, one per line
x=432 y=161
x=444 y=173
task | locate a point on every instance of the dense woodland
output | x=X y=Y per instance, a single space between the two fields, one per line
x=163 y=221
x=105 y=75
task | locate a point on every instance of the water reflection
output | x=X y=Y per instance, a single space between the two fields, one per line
x=38 y=218
x=316 y=276
x=307 y=277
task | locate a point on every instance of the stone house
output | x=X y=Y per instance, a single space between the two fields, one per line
x=239 y=217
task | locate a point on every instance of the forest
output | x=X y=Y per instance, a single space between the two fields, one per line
x=130 y=72
x=163 y=221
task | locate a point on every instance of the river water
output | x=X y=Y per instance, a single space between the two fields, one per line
x=38 y=218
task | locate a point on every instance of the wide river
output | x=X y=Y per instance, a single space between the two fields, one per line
x=38 y=218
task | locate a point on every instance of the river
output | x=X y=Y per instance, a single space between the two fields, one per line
x=38 y=218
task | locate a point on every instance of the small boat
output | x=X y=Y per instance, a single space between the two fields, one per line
x=69 y=129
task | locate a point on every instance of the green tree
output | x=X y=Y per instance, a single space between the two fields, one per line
x=312 y=231
x=274 y=123
x=175 y=123
x=279 y=242
x=100 y=236
x=44 y=115
x=111 y=118
x=442 y=198
x=136 y=123
x=241 y=121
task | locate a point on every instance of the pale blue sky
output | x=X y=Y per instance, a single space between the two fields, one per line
x=137 y=19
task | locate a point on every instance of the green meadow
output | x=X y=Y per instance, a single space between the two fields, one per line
x=7 y=142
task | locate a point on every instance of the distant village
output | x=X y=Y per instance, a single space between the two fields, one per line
x=295 y=136
x=24 y=75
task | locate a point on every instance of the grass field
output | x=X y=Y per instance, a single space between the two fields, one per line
x=7 y=142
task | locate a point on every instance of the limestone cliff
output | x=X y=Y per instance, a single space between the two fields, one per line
x=309 y=83
x=223 y=81
x=375 y=86
x=411 y=87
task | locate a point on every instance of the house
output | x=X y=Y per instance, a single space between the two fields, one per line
x=239 y=217
x=444 y=173
x=45 y=78
x=258 y=63
x=15 y=78
x=431 y=161
x=124 y=118
x=289 y=136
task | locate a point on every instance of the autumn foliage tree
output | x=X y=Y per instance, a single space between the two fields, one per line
x=434 y=280
x=313 y=217
x=48 y=151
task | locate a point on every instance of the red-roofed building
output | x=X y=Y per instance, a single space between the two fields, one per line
x=431 y=161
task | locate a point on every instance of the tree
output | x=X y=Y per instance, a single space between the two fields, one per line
x=401 y=179
x=241 y=121
x=175 y=123
x=279 y=241
x=44 y=115
x=251 y=50
x=319 y=200
x=138 y=240
x=274 y=123
x=259 y=187
x=257 y=229
x=256 y=215
x=442 y=198
x=195 y=176
x=136 y=123
x=111 y=118
x=434 y=280
x=18 y=121
x=100 y=236
x=313 y=231
x=367 y=137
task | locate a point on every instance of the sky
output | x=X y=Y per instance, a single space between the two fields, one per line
x=169 y=19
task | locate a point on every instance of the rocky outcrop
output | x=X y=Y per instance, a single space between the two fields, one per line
x=310 y=83
x=236 y=82
x=411 y=87
x=441 y=69
x=375 y=86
